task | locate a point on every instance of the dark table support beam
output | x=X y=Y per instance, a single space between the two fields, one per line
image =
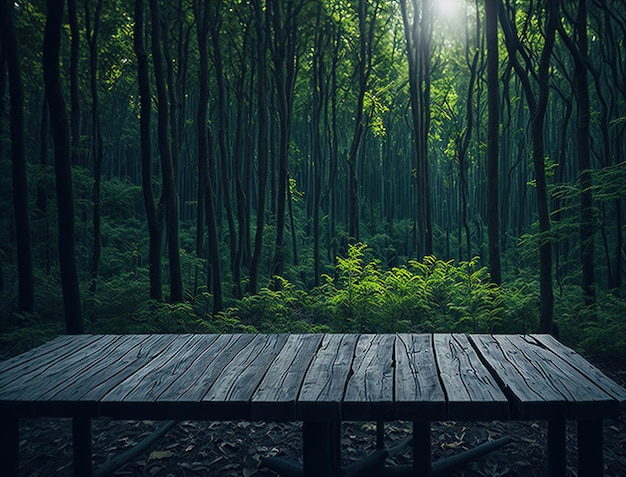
x=590 y=455
x=321 y=448
x=556 y=448
x=9 y=446
x=422 y=464
x=81 y=438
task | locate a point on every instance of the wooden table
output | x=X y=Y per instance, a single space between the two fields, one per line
x=320 y=379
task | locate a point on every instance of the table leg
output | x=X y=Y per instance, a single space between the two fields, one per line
x=590 y=448
x=9 y=446
x=422 y=464
x=556 y=447
x=81 y=436
x=321 y=448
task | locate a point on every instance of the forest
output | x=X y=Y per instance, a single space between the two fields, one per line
x=313 y=165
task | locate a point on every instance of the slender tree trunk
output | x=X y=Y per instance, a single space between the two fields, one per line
x=222 y=136
x=145 y=100
x=261 y=85
x=579 y=51
x=317 y=96
x=537 y=105
x=587 y=227
x=62 y=167
x=74 y=87
x=418 y=34
x=284 y=24
x=167 y=166
x=96 y=138
x=10 y=46
x=41 y=200
x=493 y=147
x=240 y=194
x=202 y=25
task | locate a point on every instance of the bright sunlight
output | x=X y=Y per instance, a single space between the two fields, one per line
x=447 y=9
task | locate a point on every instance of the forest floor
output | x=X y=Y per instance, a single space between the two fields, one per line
x=235 y=449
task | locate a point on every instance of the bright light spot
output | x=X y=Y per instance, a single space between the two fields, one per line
x=447 y=8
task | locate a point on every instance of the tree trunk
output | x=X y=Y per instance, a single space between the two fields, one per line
x=261 y=144
x=579 y=51
x=493 y=131
x=96 y=138
x=62 y=167
x=74 y=87
x=215 y=21
x=9 y=40
x=145 y=99
x=205 y=186
x=284 y=23
x=167 y=166
x=537 y=105
x=418 y=34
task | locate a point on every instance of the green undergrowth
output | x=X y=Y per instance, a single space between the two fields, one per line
x=361 y=296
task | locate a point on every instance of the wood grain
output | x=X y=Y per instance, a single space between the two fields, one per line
x=419 y=395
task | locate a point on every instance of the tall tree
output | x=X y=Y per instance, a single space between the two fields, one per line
x=62 y=167
x=363 y=70
x=72 y=15
x=579 y=50
x=205 y=188
x=537 y=104
x=145 y=105
x=417 y=19
x=170 y=198
x=215 y=24
x=10 y=47
x=493 y=132
x=284 y=16
x=261 y=86
x=97 y=152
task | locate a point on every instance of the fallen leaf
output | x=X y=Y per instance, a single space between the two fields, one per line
x=156 y=455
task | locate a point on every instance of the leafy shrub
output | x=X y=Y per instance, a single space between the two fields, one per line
x=431 y=296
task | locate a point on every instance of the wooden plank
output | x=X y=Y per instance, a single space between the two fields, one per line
x=182 y=398
x=43 y=378
x=140 y=350
x=584 y=399
x=35 y=353
x=472 y=393
x=229 y=396
x=78 y=368
x=172 y=368
x=545 y=384
x=143 y=401
x=127 y=398
x=36 y=363
x=583 y=366
x=325 y=381
x=145 y=384
x=71 y=389
x=369 y=391
x=520 y=378
x=275 y=399
x=418 y=392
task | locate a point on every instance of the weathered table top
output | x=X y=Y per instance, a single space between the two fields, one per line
x=315 y=377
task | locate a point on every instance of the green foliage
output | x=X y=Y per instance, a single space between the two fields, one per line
x=431 y=296
x=278 y=311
